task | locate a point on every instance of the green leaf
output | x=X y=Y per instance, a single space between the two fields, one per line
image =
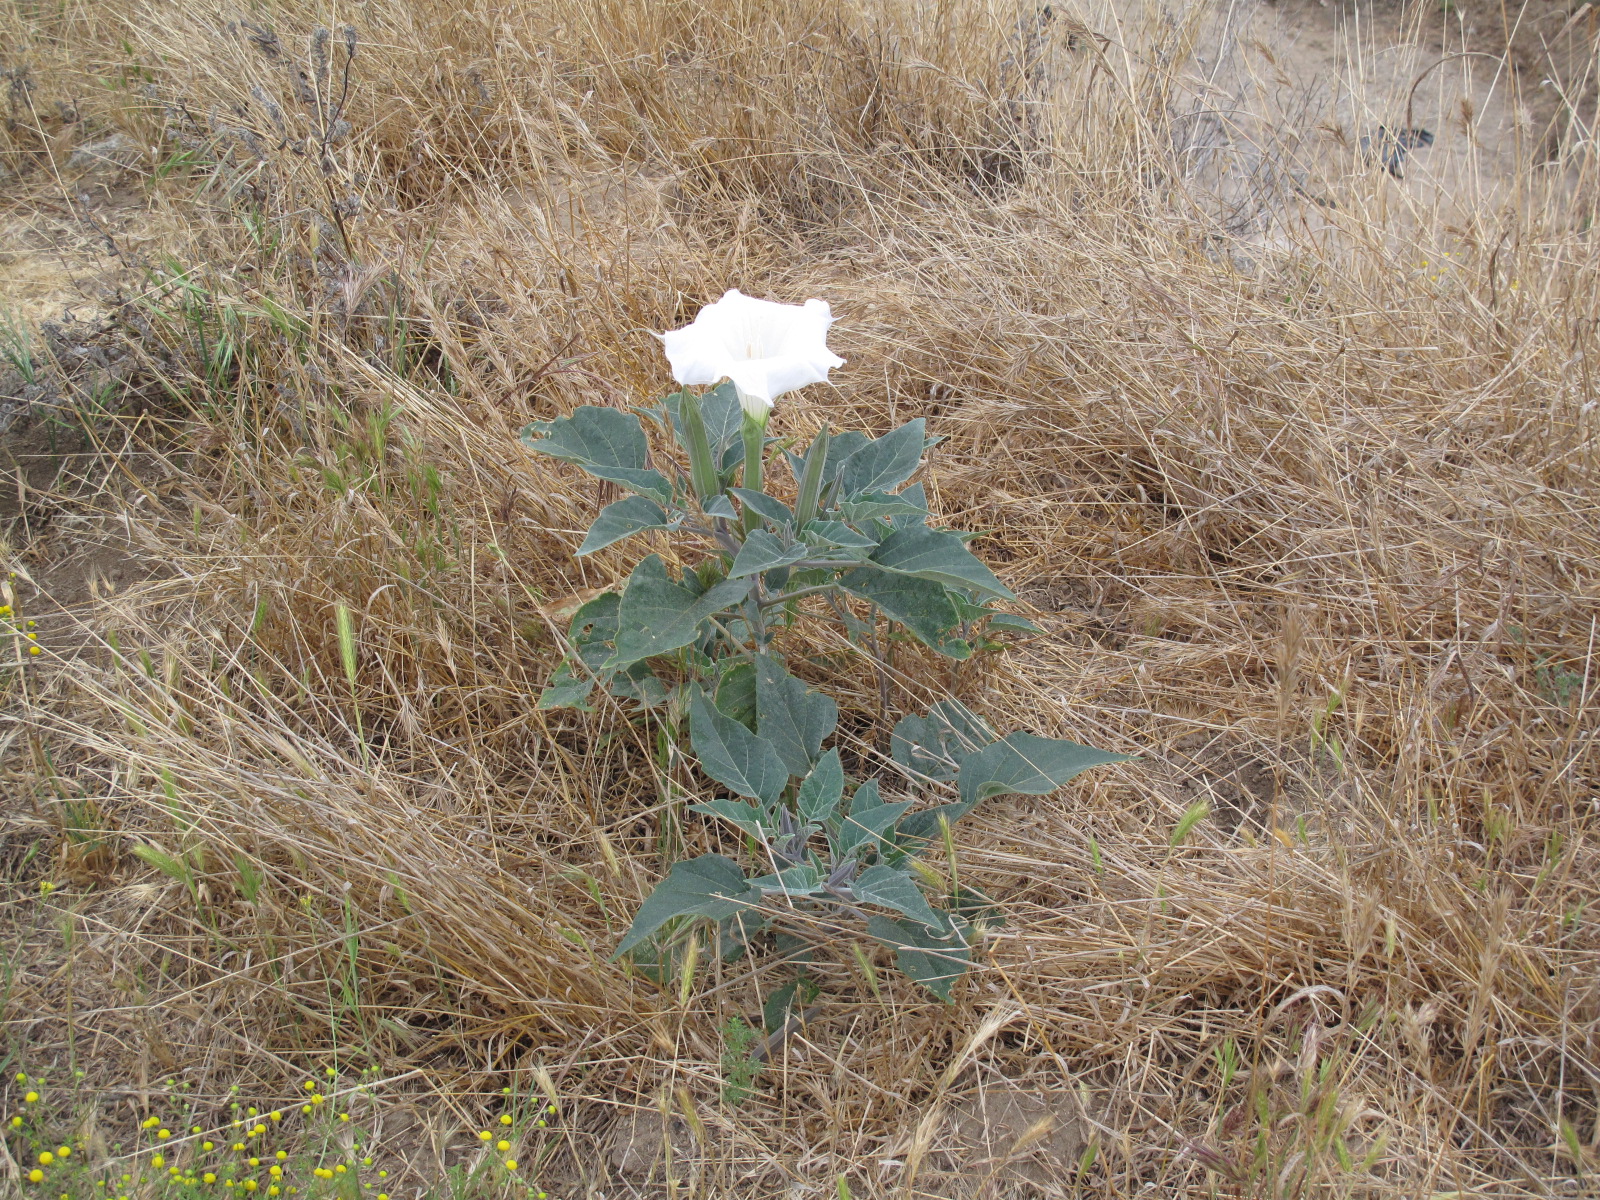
x=822 y=790
x=607 y=443
x=658 y=614
x=747 y=818
x=639 y=683
x=735 y=757
x=710 y=886
x=736 y=694
x=1019 y=763
x=869 y=819
x=1193 y=815
x=764 y=505
x=802 y=880
x=593 y=629
x=935 y=958
x=884 y=463
x=939 y=556
x=1026 y=764
x=836 y=534
x=921 y=605
x=892 y=887
x=623 y=519
x=720 y=506
x=793 y=717
x=1012 y=622
x=762 y=552
x=878 y=506
x=934 y=745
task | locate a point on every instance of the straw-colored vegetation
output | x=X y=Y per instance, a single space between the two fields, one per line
x=1311 y=527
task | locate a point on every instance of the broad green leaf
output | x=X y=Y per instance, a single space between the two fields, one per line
x=934 y=745
x=709 y=886
x=837 y=534
x=939 y=556
x=567 y=689
x=892 y=887
x=775 y=1011
x=762 y=552
x=720 y=506
x=921 y=605
x=658 y=614
x=879 y=506
x=747 y=818
x=793 y=717
x=1019 y=763
x=764 y=505
x=732 y=755
x=868 y=820
x=1011 y=622
x=623 y=519
x=605 y=442
x=639 y=683
x=736 y=694
x=822 y=790
x=1027 y=764
x=802 y=880
x=917 y=495
x=885 y=463
x=935 y=958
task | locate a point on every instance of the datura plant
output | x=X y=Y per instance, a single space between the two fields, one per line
x=851 y=542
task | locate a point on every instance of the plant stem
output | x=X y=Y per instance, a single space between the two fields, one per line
x=754 y=437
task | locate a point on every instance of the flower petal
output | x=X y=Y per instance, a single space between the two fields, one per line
x=766 y=348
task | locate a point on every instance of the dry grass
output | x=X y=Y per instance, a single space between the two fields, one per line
x=1312 y=531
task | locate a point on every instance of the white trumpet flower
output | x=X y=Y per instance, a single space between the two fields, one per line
x=767 y=349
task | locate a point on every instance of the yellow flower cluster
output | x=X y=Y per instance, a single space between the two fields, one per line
x=192 y=1161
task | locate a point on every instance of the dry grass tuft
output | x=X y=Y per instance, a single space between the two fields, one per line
x=1312 y=530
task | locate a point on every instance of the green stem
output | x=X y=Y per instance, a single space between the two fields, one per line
x=754 y=439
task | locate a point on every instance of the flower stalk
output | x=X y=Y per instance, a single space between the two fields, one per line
x=755 y=437
x=702 y=468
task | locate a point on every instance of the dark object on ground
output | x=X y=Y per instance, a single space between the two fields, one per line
x=1390 y=146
